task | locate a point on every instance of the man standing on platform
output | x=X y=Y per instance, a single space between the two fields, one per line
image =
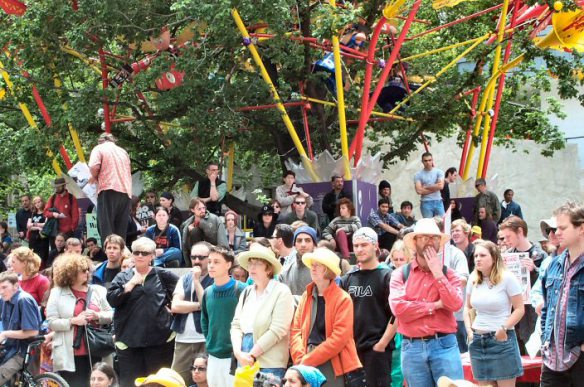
x=425 y=308
x=211 y=189
x=110 y=169
x=330 y=200
x=428 y=183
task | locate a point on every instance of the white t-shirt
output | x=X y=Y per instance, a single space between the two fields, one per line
x=190 y=334
x=493 y=306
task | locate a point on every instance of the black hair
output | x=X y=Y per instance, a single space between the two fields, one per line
x=226 y=254
x=406 y=203
x=286 y=232
x=383 y=201
x=450 y=171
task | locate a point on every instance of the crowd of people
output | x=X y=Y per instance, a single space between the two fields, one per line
x=310 y=299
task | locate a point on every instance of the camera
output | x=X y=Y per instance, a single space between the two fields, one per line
x=262 y=379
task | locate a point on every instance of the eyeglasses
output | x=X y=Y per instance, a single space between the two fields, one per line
x=255 y=263
x=86 y=270
x=549 y=230
x=426 y=238
x=199 y=257
x=142 y=253
x=299 y=203
x=477 y=185
x=200 y=369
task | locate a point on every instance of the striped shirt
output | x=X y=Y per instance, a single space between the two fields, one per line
x=556 y=356
x=350 y=225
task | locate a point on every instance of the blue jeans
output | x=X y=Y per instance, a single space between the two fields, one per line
x=432 y=208
x=171 y=254
x=247 y=345
x=424 y=361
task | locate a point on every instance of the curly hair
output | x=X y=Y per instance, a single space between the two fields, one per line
x=31 y=261
x=67 y=266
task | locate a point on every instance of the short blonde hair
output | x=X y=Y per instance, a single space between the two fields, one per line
x=67 y=266
x=31 y=261
x=144 y=244
x=463 y=224
x=399 y=245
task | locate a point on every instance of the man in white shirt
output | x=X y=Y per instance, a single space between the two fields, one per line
x=187 y=309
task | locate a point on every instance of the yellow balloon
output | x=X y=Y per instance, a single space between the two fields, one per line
x=558 y=6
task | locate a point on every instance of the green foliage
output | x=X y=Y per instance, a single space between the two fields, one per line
x=181 y=130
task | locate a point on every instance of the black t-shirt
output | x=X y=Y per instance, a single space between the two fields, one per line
x=161 y=238
x=109 y=275
x=318 y=332
x=369 y=290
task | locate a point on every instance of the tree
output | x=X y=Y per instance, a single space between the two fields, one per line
x=175 y=133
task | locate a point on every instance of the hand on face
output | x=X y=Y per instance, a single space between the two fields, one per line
x=432 y=260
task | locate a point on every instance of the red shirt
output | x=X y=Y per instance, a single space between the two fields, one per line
x=413 y=302
x=80 y=307
x=66 y=205
x=36 y=286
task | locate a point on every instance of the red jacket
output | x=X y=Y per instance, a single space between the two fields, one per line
x=339 y=346
x=67 y=206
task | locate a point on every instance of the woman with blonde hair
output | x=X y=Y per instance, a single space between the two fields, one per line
x=26 y=263
x=261 y=324
x=321 y=335
x=399 y=255
x=496 y=296
x=69 y=310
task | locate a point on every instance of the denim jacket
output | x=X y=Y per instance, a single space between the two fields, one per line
x=551 y=287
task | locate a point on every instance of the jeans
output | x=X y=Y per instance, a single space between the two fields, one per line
x=432 y=208
x=247 y=345
x=573 y=377
x=424 y=361
x=461 y=337
x=171 y=254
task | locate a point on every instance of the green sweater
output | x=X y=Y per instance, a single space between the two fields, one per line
x=217 y=310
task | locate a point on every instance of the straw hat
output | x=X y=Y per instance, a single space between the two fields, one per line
x=425 y=226
x=165 y=377
x=325 y=257
x=258 y=251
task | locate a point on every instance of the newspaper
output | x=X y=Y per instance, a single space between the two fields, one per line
x=513 y=263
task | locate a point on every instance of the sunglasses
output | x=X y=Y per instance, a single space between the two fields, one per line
x=549 y=230
x=142 y=253
x=299 y=203
x=199 y=257
x=200 y=369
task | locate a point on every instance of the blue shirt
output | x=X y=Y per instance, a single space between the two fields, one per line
x=429 y=178
x=20 y=313
x=376 y=218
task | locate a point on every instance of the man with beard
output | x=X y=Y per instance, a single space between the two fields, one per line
x=330 y=200
x=296 y=275
x=202 y=226
x=187 y=310
x=105 y=273
x=63 y=207
x=282 y=243
x=368 y=285
x=425 y=308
